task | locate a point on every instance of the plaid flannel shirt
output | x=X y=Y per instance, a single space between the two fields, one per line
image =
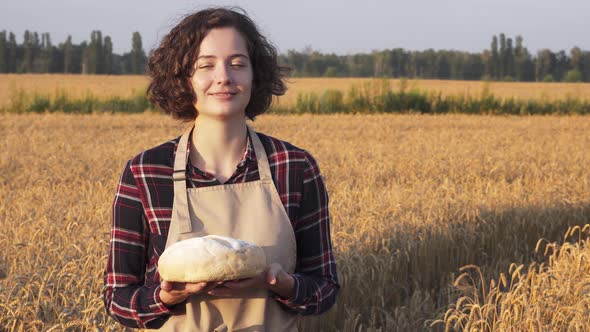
x=142 y=211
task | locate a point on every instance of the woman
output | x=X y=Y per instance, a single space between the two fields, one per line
x=214 y=69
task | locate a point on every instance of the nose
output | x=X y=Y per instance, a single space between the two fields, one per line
x=222 y=75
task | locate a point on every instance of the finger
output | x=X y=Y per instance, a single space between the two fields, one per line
x=196 y=287
x=211 y=286
x=172 y=286
x=166 y=285
x=172 y=296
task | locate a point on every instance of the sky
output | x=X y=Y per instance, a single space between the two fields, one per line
x=329 y=26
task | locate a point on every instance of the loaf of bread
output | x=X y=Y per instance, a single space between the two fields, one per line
x=211 y=258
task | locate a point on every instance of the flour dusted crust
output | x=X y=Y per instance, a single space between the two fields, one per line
x=211 y=258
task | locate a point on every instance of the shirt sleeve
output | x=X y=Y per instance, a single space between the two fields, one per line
x=316 y=280
x=127 y=299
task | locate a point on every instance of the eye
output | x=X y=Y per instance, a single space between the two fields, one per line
x=238 y=65
x=205 y=66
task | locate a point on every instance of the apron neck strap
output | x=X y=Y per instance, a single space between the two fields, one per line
x=181 y=158
x=262 y=159
x=180 y=211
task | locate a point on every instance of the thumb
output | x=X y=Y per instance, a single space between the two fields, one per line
x=273 y=273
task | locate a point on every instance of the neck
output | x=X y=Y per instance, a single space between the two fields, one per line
x=217 y=145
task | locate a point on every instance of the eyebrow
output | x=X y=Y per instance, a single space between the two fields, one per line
x=237 y=55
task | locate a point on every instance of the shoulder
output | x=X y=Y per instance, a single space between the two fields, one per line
x=160 y=156
x=279 y=151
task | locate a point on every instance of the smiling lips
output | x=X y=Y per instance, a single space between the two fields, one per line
x=223 y=93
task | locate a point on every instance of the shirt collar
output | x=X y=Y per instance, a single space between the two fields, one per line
x=249 y=154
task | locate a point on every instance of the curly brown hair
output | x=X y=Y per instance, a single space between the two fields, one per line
x=172 y=64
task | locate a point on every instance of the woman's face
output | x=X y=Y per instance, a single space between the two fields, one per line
x=223 y=74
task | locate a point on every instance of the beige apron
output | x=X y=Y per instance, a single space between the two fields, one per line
x=251 y=211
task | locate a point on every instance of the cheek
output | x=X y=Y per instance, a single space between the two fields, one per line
x=248 y=80
x=200 y=84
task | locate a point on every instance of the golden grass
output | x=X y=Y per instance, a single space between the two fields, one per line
x=413 y=198
x=552 y=296
x=73 y=85
x=104 y=86
x=525 y=90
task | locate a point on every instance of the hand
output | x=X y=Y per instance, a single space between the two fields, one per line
x=175 y=292
x=273 y=278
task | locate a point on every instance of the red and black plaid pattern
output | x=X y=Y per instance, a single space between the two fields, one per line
x=142 y=211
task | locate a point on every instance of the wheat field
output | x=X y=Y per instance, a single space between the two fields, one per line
x=412 y=198
x=548 y=296
x=104 y=86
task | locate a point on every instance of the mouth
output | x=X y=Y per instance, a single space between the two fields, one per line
x=223 y=94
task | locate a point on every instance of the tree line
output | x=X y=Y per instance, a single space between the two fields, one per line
x=37 y=54
x=507 y=59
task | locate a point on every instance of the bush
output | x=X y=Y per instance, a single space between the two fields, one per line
x=332 y=101
x=307 y=102
x=19 y=100
x=573 y=76
x=357 y=101
x=40 y=104
x=374 y=96
x=330 y=72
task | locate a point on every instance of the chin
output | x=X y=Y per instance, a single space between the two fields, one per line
x=224 y=114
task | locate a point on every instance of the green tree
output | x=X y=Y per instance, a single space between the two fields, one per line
x=12 y=51
x=576 y=58
x=107 y=56
x=443 y=66
x=331 y=72
x=519 y=59
x=398 y=63
x=561 y=65
x=528 y=71
x=485 y=60
x=3 y=53
x=138 y=58
x=474 y=68
x=46 y=56
x=37 y=61
x=494 y=59
x=585 y=66
x=27 y=60
x=99 y=49
x=509 y=59
x=545 y=64
x=573 y=75
x=67 y=48
x=431 y=63
x=420 y=64
x=503 y=57
x=577 y=62
x=379 y=60
x=93 y=54
x=78 y=60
